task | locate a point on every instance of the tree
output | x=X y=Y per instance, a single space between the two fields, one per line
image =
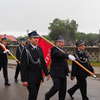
x=80 y=36
x=90 y=38
x=66 y=28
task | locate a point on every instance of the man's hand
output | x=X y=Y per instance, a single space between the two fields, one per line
x=18 y=62
x=25 y=84
x=71 y=57
x=6 y=51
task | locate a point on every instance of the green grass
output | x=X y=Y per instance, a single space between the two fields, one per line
x=94 y=63
x=10 y=57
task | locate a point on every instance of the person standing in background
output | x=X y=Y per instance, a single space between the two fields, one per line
x=19 y=50
x=4 y=61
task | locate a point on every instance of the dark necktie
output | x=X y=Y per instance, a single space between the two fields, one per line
x=36 y=55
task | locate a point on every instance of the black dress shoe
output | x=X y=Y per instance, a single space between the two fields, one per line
x=46 y=98
x=7 y=84
x=70 y=95
x=85 y=98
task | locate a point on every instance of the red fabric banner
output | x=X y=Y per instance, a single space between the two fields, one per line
x=46 y=48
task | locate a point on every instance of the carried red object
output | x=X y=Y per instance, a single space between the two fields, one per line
x=46 y=47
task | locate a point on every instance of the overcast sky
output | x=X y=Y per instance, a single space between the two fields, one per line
x=16 y=16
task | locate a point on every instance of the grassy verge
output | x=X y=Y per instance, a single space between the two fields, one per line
x=10 y=57
x=94 y=63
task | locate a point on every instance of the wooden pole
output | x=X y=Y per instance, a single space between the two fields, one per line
x=91 y=73
x=4 y=48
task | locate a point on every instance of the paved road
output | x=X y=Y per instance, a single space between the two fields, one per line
x=17 y=92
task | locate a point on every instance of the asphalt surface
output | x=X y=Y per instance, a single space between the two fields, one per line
x=18 y=92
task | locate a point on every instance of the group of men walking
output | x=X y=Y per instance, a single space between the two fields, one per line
x=32 y=64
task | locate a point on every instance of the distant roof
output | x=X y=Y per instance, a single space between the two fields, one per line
x=10 y=37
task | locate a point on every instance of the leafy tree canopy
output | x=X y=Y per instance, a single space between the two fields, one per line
x=66 y=28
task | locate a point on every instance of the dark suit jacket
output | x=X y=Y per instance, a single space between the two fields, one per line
x=31 y=71
x=82 y=58
x=3 y=58
x=19 y=51
x=59 y=66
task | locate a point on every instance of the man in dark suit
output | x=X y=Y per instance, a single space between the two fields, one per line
x=58 y=70
x=81 y=75
x=33 y=64
x=19 y=51
x=4 y=61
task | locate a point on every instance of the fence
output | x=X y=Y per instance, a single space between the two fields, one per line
x=93 y=51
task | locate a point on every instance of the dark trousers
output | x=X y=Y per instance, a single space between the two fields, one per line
x=5 y=73
x=82 y=85
x=59 y=85
x=33 y=89
x=18 y=69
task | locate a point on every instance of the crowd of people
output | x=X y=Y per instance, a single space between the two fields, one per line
x=31 y=64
